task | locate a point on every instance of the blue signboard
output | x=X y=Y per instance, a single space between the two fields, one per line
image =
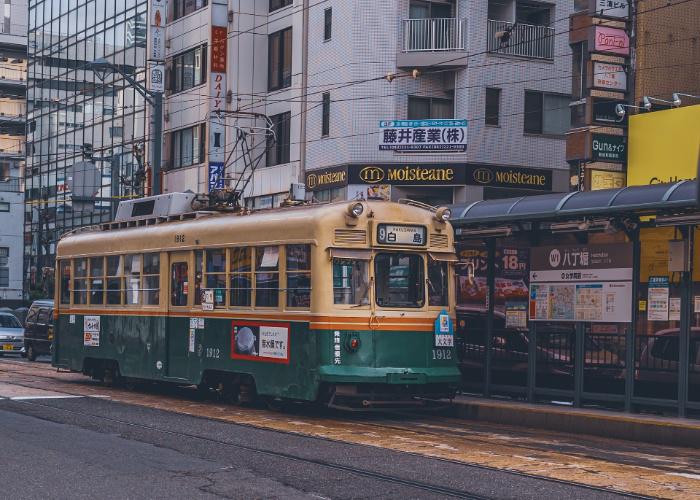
x=216 y=175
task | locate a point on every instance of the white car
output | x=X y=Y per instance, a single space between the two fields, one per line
x=11 y=335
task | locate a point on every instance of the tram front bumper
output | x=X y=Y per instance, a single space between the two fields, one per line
x=391 y=376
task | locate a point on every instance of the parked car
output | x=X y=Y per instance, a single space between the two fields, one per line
x=38 y=329
x=657 y=369
x=11 y=335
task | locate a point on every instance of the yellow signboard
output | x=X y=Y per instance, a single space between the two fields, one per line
x=602 y=179
x=663 y=146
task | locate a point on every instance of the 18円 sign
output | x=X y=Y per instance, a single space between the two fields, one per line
x=448 y=136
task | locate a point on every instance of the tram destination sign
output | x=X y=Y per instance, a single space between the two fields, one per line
x=401 y=234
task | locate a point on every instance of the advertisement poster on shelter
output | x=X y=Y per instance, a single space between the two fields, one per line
x=657 y=298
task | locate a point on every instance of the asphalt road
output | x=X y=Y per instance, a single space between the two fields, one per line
x=97 y=448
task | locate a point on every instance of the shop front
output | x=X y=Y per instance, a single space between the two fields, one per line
x=586 y=297
x=431 y=183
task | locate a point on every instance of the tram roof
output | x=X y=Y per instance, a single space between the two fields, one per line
x=639 y=200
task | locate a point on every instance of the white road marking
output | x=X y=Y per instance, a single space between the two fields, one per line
x=64 y=396
x=685 y=474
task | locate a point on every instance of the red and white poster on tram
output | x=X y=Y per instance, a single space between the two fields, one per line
x=260 y=341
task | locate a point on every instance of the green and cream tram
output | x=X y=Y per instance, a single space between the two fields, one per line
x=346 y=304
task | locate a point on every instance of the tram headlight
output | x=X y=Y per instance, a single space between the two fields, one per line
x=355 y=209
x=443 y=214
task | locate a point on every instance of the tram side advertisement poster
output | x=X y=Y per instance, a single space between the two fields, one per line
x=581 y=283
x=256 y=341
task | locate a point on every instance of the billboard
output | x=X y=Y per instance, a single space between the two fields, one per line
x=410 y=136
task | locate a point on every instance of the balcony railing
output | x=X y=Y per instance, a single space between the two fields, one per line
x=432 y=35
x=526 y=40
x=10 y=184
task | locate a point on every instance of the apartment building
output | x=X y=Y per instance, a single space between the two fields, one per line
x=13 y=87
x=334 y=77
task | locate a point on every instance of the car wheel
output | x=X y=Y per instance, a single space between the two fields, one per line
x=31 y=353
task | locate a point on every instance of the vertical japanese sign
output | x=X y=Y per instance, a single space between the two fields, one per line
x=581 y=283
x=156 y=45
x=217 y=99
x=447 y=136
x=658 y=298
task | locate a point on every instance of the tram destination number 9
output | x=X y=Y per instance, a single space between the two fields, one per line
x=401 y=234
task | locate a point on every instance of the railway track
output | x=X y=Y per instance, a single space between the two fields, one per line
x=419 y=424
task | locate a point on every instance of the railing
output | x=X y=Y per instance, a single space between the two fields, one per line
x=525 y=40
x=431 y=35
x=10 y=184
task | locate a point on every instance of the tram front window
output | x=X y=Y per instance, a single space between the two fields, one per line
x=399 y=280
x=350 y=284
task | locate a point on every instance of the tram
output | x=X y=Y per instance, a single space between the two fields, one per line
x=349 y=305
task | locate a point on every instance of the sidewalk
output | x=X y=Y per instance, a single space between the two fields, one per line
x=670 y=431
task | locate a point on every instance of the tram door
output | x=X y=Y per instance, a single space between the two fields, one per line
x=181 y=300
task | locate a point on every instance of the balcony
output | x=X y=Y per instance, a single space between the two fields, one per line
x=433 y=42
x=10 y=184
x=526 y=40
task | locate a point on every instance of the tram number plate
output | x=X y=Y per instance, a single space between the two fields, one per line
x=442 y=353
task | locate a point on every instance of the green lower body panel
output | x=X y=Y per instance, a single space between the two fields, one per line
x=401 y=376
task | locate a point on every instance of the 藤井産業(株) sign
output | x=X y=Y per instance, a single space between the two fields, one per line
x=447 y=136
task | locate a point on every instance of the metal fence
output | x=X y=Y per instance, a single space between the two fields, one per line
x=525 y=40
x=428 y=35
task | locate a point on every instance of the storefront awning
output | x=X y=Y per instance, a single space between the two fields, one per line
x=640 y=200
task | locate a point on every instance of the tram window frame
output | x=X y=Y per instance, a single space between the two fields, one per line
x=237 y=273
x=273 y=272
x=217 y=276
x=295 y=273
x=198 y=276
x=80 y=278
x=435 y=265
x=358 y=280
x=150 y=274
x=381 y=268
x=131 y=298
x=65 y=288
x=114 y=276
x=96 y=276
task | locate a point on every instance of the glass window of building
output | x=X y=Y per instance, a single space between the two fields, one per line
x=187 y=146
x=181 y=8
x=278 y=4
x=187 y=70
x=430 y=108
x=547 y=114
x=278 y=150
x=279 y=71
x=493 y=106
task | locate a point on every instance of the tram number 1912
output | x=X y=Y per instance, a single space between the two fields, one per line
x=442 y=354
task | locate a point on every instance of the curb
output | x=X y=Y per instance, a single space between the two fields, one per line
x=642 y=428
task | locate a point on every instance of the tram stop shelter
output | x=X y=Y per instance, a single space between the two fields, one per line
x=590 y=298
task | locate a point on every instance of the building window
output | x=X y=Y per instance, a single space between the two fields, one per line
x=183 y=7
x=430 y=108
x=4 y=206
x=278 y=4
x=278 y=145
x=279 y=71
x=327 y=23
x=546 y=114
x=326 y=115
x=187 y=146
x=187 y=70
x=493 y=106
x=4 y=277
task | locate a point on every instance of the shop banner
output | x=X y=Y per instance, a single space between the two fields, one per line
x=611 y=40
x=581 y=283
x=609 y=76
x=618 y=9
x=446 y=136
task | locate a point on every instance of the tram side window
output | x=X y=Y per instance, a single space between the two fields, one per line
x=97 y=280
x=179 y=286
x=240 y=278
x=350 y=283
x=267 y=276
x=216 y=275
x=80 y=281
x=298 y=275
x=437 y=283
x=198 y=276
x=151 y=279
x=132 y=278
x=65 y=281
x=399 y=280
x=114 y=279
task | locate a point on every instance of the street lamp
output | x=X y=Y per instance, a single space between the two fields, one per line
x=102 y=67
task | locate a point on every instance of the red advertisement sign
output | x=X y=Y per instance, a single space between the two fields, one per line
x=218 y=49
x=613 y=40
